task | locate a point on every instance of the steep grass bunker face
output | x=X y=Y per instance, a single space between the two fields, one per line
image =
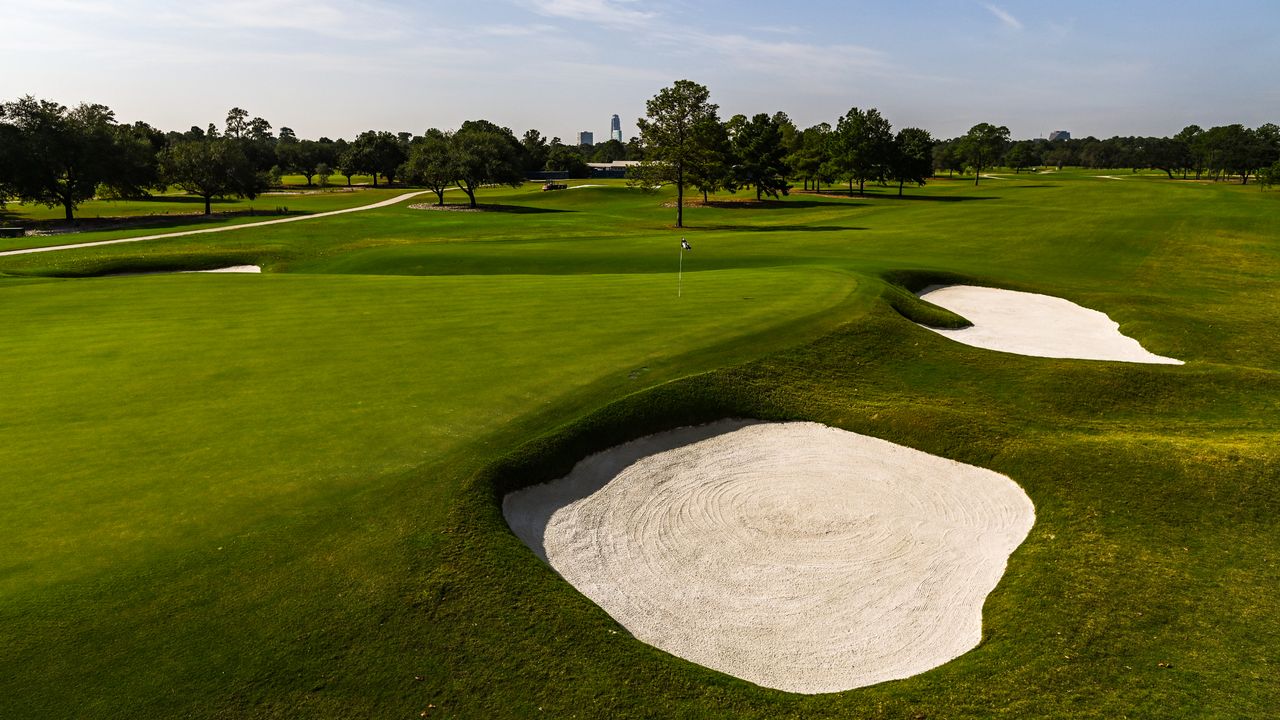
x=794 y=555
x=1037 y=325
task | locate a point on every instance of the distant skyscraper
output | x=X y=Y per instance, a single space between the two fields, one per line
x=586 y=138
x=1059 y=135
x=615 y=129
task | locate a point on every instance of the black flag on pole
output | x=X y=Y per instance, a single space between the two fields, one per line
x=684 y=244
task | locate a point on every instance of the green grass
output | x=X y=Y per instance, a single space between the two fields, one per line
x=174 y=212
x=277 y=496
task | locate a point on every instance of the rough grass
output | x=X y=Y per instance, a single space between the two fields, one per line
x=277 y=496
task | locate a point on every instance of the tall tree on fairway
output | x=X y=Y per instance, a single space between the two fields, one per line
x=863 y=146
x=482 y=153
x=760 y=153
x=912 y=157
x=982 y=146
x=812 y=155
x=429 y=163
x=61 y=156
x=672 y=146
x=716 y=169
x=212 y=167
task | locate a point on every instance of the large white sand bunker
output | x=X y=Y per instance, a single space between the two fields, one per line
x=794 y=555
x=1039 y=325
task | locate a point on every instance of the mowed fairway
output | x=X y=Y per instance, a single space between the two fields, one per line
x=278 y=495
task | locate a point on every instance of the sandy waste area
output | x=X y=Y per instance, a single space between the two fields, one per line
x=794 y=555
x=1039 y=325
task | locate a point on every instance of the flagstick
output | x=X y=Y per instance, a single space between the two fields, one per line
x=680 y=274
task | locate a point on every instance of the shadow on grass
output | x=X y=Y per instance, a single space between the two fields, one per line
x=178 y=220
x=927 y=198
x=488 y=208
x=770 y=204
x=775 y=228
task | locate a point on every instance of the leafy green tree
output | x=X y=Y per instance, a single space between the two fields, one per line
x=376 y=153
x=1189 y=136
x=946 y=156
x=812 y=155
x=608 y=151
x=323 y=173
x=912 y=157
x=863 y=147
x=137 y=166
x=760 y=154
x=716 y=171
x=672 y=146
x=563 y=158
x=1269 y=176
x=60 y=157
x=299 y=156
x=209 y=168
x=1022 y=155
x=536 y=150
x=982 y=146
x=482 y=153
x=430 y=164
x=237 y=122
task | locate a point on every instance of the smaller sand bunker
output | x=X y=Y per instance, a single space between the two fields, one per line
x=794 y=555
x=1038 y=325
x=232 y=269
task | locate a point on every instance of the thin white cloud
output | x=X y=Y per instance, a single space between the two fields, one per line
x=1005 y=17
x=601 y=12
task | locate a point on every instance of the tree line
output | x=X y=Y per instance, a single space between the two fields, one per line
x=1220 y=153
x=62 y=157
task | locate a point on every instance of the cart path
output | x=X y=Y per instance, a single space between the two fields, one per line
x=225 y=228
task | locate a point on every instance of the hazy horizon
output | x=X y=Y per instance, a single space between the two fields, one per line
x=328 y=68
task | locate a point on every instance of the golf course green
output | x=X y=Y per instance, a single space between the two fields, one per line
x=279 y=495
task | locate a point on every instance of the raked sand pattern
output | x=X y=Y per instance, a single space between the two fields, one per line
x=793 y=555
x=1038 y=325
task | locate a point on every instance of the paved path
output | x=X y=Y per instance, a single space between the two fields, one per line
x=225 y=228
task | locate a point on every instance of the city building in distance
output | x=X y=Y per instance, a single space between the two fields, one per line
x=615 y=129
x=586 y=138
x=1059 y=135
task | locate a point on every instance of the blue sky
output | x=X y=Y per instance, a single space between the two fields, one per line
x=336 y=67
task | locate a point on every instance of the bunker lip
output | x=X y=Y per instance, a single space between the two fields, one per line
x=1036 y=325
x=793 y=555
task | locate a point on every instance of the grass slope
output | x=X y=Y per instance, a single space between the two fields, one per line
x=277 y=496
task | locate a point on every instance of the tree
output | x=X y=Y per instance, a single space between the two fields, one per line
x=760 y=154
x=716 y=171
x=237 y=122
x=863 y=145
x=982 y=145
x=482 y=153
x=212 y=167
x=608 y=151
x=1022 y=155
x=946 y=156
x=563 y=158
x=812 y=155
x=60 y=157
x=300 y=156
x=323 y=172
x=376 y=153
x=1269 y=176
x=535 y=150
x=912 y=157
x=430 y=164
x=136 y=167
x=671 y=146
